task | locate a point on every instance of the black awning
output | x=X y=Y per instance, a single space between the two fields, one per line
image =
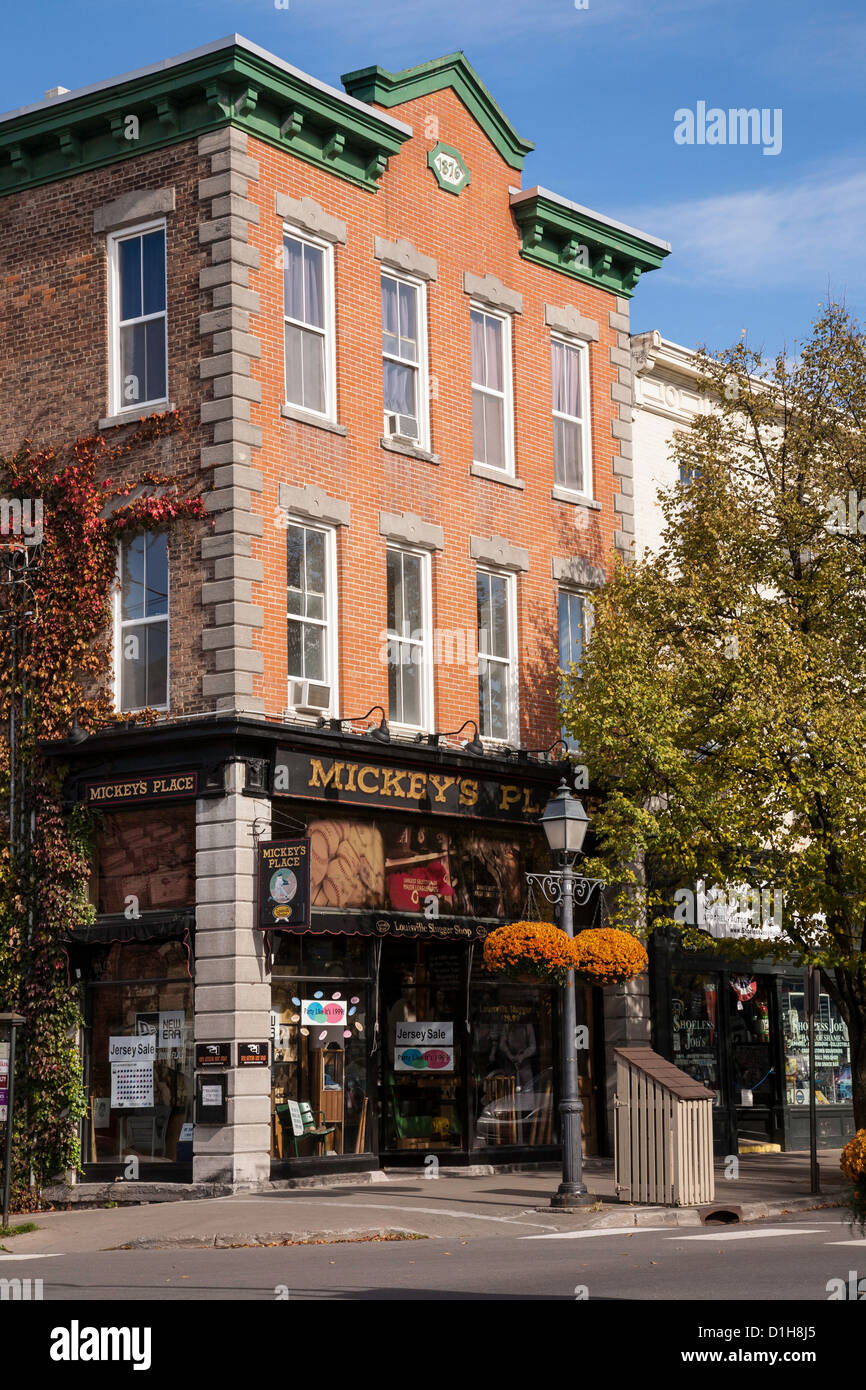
x=151 y=926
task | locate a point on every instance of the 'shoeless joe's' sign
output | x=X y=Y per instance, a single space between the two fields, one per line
x=346 y=781
x=284 y=884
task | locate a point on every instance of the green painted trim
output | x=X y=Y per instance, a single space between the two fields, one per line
x=443 y=183
x=230 y=87
x=560 y=238
x=388 y=89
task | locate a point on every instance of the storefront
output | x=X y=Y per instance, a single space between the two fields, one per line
x=742 y=1032
x=385 y=1024
x=386 y=1040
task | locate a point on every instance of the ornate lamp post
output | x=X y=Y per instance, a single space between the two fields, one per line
x=565 y=821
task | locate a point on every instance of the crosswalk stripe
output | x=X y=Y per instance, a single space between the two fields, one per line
x=607 y=1231
x=55 y=1255
x=736 y=1233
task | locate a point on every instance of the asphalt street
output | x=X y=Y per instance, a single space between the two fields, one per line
x=793 y=1258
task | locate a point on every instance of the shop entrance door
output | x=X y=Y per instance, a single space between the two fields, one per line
x=423 y=1002
x=754 y=1080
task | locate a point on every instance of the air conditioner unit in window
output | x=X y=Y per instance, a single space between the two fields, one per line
x=406 y=426
x=309 y=697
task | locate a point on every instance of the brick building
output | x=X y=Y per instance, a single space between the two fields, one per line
x=407 y=385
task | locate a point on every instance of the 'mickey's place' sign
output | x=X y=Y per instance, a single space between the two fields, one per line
x=140 y=787
x=284 y=884
x=343 y=780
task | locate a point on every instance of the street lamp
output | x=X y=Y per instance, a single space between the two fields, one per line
x=565 y=822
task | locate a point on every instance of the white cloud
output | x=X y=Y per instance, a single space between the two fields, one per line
x=795 y=235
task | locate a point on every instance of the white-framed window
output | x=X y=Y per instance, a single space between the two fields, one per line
x=572 y=441
x=138 y=319
x=311 y=589
x=404 y=358
x=308 y=313
x=492 y=409
x=141 y=635
x=575 y=626
x=497 y=655
x=410 y=671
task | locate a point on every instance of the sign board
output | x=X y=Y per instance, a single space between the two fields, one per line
x=424 y=1047
x=211 y=1105
x=212 y=1056
x=448 y=167
x=253 y=1054
x=141 y=1049
x=324 y=1013
x=171 y=1029
x=344 y=781
x=284 y=884
x=4 y=1082
x=132 y=1084
x=424 y=1035
x=140 y=788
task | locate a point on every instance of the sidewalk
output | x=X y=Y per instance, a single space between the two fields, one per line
x=399 y=1202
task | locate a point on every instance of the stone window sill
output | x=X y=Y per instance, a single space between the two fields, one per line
x=398 y=445
x=495 y=475
x=129 y=417
x=563 y=494
x=306 y=417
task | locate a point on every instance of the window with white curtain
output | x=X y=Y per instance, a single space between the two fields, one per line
x=409 y=668
x=404 y=352
x=139 y=321
x=492 y=428
x=308 y=316
x=497 y=643
x=309 y=603
x=571 y=417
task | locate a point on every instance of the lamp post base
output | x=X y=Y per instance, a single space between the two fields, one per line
x=570 y=1196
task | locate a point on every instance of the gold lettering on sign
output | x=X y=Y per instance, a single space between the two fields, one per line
x=468 y=791
x=417 y=786
x=509 y=795
x=441 y=784
x=351 y=773
x=318 y=776
x=363 y=774
x=392 y=785
x=529 y=806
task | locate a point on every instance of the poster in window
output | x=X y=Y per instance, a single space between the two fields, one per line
x=347 y=866
x=418 y=869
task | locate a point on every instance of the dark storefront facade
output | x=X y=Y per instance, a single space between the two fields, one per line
x=742 y=1031
x=387 y=1040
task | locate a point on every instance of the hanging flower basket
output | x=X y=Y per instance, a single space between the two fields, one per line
x=853 y=1165
x=530 y=951
x=608 y=956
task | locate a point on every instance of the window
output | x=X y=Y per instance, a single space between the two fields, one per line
x=571 y=429
x=409 y=670
x=575 y=625
x=138 y=321
x=497 y=693
x=311 y=585
x=404 y=359
x=308 y=313
x=141 y=631
x=492 y=428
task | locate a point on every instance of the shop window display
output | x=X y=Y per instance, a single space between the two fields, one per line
x=140 y=1060
x=832 y=1049
x=422 y=989
x=512 y=1065
x=695 y=1029
x=146 y=855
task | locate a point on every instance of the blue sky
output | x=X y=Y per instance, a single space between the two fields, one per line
x=759 y=240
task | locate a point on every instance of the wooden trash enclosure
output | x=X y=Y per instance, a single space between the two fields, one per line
x=663 y=1132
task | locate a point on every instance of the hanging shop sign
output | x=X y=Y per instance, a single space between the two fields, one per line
x=284 y=885
x=141 y=787
x=351 y=782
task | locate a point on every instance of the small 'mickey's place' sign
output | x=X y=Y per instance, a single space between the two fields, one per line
x=139 y=787
x=448 y=167
x=284 y=884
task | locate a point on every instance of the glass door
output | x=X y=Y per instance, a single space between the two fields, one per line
x=754 y=1075
x=423 y=992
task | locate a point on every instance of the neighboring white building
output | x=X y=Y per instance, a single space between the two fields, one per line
x=666 y=399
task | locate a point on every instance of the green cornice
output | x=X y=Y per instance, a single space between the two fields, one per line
x=233 y=83
x=393 y=88
x=565 y=237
